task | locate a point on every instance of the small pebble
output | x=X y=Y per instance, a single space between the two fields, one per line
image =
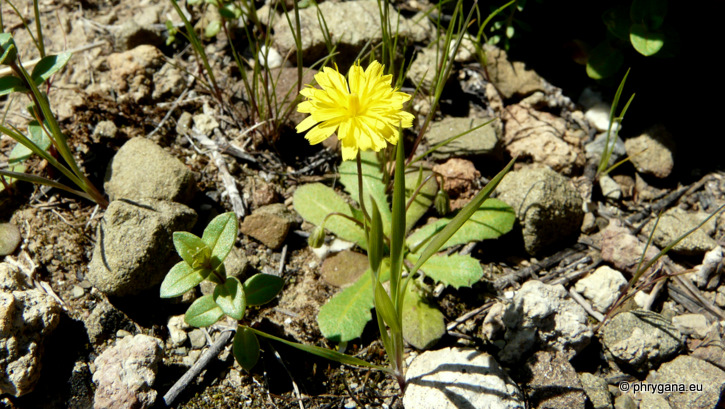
x=197 y=339
x=77 y=292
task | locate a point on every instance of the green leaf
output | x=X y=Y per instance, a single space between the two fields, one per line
x=21 y=152
x=493 y=219
x=10 y=84
x=373 y=187
x=376 y=243
x=180 y=279
x=423 y=325
x=344 y=316
x=397 y=237
x=646 y=41
x=315 y=201
x=425 y=197
x=451 y=228
x=48 y=66
x=203 y=312
x=246 y=348
x=213 y=28
x=384 y=306
x=322 y=352
x=262 y=288
x=230 y=298
x=650 y=13
x=219 y=236
x=455 y=270
x=8 y=49
x=617 y=21
x=192 y=249
x=604 y=61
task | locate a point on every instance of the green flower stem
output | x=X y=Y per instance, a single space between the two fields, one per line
x=360 y=190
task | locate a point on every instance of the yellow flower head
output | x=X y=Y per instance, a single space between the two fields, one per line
x=365 y=113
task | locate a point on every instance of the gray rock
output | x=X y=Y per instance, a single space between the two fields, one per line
x=598 y=115
x=694 y=325
x=594 y=149
x=105 y=130
x=652 y=152
x=197 y=338
x=134 y=247
x=105 y=321
x=641 y=339
x=168 y=82
x=548 y=207
x=11 y=279
x=596 y=390
x=543 y=137
x=602 y=287
x=143 y=170
x=205 y=123
x=421 y=71
x=9 y=238
x=177 y=330
x=125 y=373
x=352 y=25
x=653 y=401
x=553 y=382
x=623 y=250
x=610 y=189
x=511 y=79
x=27 y=317
x=453 y=378
x=625 y=402
x=483 y=141
x=544 y=313
x=688 y=371
x=269 y=224
x=674 y=223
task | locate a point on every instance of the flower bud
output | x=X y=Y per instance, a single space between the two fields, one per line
x=317 y=237
x=442 y=202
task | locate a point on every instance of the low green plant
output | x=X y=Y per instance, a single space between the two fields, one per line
x=615 y=122
x=202 y=258
x=44 y=132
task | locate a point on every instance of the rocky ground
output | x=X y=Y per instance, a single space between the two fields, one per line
x=82 y=324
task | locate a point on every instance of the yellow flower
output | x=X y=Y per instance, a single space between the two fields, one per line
x=365 y=114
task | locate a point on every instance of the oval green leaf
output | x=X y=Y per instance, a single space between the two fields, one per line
x=315 y=201
x=191 y=249
x=246 y=348
x=604 y=61
x=219 y=236
x=645 y=41
x=423 y=325
x=203 y=312
x=455 y=270
x=617 y=21
x=48 y=66
x=230 y=298
x=262 y=288
x=9 y=84
x=180 y=279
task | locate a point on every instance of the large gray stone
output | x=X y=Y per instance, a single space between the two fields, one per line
x=453 y=378
x=27 y=317
x=482 y=141
x=641 y=339
x=143 y=170
x=125 y=373
x=548 y=207
x=690 y=372
x=596 y=390
x=352 y=25
x=134 y=247
x=546 y=314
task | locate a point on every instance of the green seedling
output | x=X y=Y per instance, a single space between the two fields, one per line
x=610 y=141
x=45 y=127
x=203 y=259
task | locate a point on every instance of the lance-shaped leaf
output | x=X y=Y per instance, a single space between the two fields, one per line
x=36 y=135
x=219 y=236
x=10 y=84
x=230 y=298
x=181 y=278
x=262 y=288
x=203 y=312
x=373 y=187
x=315 y=201
x=246 y=348
x=343 y=318
x=492 y=219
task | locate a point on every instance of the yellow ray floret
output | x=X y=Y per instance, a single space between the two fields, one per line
x=363 y=109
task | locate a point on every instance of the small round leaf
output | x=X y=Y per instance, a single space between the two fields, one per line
x=604 y=61
x=246 y=348
x=203 y=312
x=645 y=41
x=262 y=288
